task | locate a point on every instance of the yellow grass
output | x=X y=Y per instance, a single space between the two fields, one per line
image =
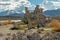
x=55 y=24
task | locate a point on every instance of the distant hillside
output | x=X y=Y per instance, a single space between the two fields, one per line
x=11 y=13
x=14 y=13
x=52 y=12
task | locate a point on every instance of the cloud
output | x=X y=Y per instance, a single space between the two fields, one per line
x=13 y=4
x=51 y=5
x=56 y=3
x=19 y=5
x=54 y=0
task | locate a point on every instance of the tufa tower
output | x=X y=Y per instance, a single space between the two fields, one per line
x=36 y=16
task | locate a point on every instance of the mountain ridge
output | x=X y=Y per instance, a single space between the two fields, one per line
x=14 y=13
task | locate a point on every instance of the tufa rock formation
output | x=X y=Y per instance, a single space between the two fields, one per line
x=35 y=17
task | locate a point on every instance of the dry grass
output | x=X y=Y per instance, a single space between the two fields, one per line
x=55 y=24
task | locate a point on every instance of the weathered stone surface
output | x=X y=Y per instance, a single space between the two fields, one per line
x=14 y=37
x=37 y=15
x=51 y=36
x=34 y=36
x=21 y=36
x=30 y=35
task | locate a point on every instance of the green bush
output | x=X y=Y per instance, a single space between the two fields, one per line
x=25 y=20
x=21 y=27
x=15 y=28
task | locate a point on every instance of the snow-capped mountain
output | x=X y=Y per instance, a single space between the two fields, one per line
x=17 y=13
x=11 y=13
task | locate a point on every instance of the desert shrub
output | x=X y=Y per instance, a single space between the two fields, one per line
x=24 y=20
x=19 y=27
x=14 y=28
x=55 y=24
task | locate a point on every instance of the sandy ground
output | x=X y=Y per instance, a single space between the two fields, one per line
x=4 y=30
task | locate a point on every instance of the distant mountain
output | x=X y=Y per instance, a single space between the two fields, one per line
x=3 y=13
x=52 y=12
x=17 y=14
x=11 y=13
x=14 y=13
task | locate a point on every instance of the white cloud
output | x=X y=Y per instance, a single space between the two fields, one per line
x=51 y=5
x=13 y=4
x=56 y=3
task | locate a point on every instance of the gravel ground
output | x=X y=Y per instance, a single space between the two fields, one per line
x=33 y=34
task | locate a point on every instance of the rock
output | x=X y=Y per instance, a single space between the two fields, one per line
x=1 y=35
x=51 y=36
x=14 y=37
x=6 y=39
x=39 y=30
x=30 y=35
x=22 y=36
x=34 y=36
x=8 y=34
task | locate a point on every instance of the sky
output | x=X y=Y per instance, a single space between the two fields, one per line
x=19 y=5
